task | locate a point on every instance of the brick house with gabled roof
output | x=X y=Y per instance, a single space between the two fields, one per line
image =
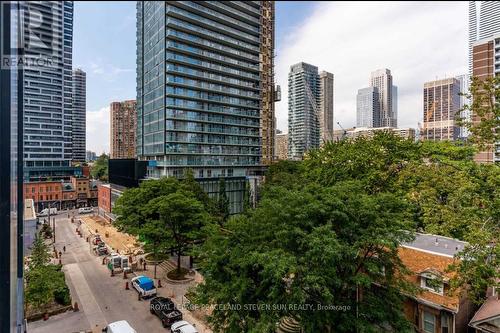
x=435 y=309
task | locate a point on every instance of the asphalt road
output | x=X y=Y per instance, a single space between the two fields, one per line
x=102 y=299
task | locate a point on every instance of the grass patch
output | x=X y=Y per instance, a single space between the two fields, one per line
x=159 y=257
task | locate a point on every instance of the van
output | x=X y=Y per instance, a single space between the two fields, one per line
x=121 y=326
x=85 y=210
x=46 y=211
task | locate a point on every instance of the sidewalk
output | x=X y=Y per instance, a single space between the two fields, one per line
x=176 y=292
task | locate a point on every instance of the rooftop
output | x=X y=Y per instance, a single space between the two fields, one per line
x=488 y=316
x=29 y=209
x=435 y=244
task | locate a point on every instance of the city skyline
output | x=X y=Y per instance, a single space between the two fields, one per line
x=298 y=28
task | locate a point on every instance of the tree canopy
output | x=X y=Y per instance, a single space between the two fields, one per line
x=99 y=169
x=328 y=224
x=166 y=212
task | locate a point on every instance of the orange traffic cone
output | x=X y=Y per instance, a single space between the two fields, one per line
x=159 y=283
x=126 y=286
x=75 y=307
x=124 y=274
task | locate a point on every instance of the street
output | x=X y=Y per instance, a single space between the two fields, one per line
x=101 y=299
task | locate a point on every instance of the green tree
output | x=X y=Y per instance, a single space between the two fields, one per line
x=153 y=232
x=39 y=253
x=478 y=265
x=100 y=168
x=484 y=106
x=166 y=212
x=45 y=284
x=222 y=202
x=182 y=218
x=313 y=245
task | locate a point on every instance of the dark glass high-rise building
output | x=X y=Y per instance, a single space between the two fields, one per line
x=303 y=109
x=205 y=90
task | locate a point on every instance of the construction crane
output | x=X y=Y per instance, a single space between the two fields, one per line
x=344 y=134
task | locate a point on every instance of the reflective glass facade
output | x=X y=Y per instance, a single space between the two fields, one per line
x=200 y=87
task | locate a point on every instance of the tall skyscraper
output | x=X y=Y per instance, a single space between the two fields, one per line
x=205 y=90
x=123 y=118
x=269 y=96
x=441 y=108
x=484 y=22
x=465 y=114
x=48 y=114
x=368 y=107
x=326 y=107
x=79 y=114
x=382 y=80
x=303 y=109
x=395 y=102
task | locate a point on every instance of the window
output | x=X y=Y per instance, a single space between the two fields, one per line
x=445 y=322
x=429 y=322
x=431 y=283
x=33 y=190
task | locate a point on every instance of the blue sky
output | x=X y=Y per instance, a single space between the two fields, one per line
x=417 y=41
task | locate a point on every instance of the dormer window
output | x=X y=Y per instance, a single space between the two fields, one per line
x=432 y=282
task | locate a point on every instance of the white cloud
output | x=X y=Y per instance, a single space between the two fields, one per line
x=98 y=130
x=417 y=41
x=105 y=71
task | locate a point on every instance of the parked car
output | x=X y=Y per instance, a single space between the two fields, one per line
x=46 y=211
x=85 y=210
x=102 y=249
x=121 y=326
x=144 y=286
x=165 y=309
x=183 y=327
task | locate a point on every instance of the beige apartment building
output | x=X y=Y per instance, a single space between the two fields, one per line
x=123 y=126
x=282 y=146
x=441 y=108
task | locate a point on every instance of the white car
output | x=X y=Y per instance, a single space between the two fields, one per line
x=144 y=285
x=121 y=326
x=85 y=210
x=183 y=327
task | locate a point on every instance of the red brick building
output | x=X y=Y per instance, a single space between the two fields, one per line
x=78 y=192
x=104 y=198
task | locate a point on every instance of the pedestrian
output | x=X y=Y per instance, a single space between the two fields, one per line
x=64 y=248
x=60 y=254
